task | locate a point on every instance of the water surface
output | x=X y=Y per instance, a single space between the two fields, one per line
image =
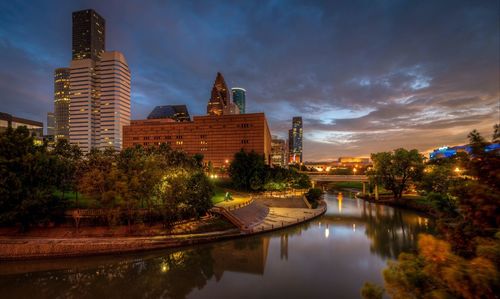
x=328 y=257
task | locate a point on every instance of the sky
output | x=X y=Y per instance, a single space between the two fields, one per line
x=366 y=76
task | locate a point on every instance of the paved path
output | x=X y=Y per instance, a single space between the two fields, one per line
x=264 y=214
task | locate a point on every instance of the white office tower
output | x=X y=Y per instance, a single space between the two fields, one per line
x=84 y=104
x=114 y=77
x=100 y=101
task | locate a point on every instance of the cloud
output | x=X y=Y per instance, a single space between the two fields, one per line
x=365 y=75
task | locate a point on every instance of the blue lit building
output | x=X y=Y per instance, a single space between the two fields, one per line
x=448 y=152
x=239 y=98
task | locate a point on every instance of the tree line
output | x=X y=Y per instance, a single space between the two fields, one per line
x=133 y=185
x=463 y=260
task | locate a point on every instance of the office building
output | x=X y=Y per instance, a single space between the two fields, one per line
x=88 y=36
x=448 y=152
x=84 y=108
x=99 y=87
x=51 y=123
x=9 y=121
x=220 y=100
x=239 y=98
x=174 y=112
x=100 y=101
x=278 y=152
x=217 y=138
x=61 y=102
x=295 y=141
x=114 y=99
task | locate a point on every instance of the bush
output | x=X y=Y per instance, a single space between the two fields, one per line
x=441 y=203
x=314 y=194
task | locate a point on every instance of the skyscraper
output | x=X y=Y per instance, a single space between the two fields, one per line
x=114 y=99
x=295 y=141
x=51 y=123
x=239 y=98
x=220 y=101
x=88 y=35
x=84 y=108
x=61 y=102
x=99 y=87
x=278 y=157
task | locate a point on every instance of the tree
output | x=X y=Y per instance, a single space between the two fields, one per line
x=247 y=170
x=394 y=170
x=372 y=291
x=438 y=273
x=27 y=181
x=69 y=157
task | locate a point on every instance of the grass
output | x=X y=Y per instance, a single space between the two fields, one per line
x=83 y=200
x=219 y=195
x=354 y=185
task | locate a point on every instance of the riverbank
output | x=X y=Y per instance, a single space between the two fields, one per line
x=412 y=203
x=22 y=247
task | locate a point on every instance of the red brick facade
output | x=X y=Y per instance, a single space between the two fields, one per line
x=217 y=138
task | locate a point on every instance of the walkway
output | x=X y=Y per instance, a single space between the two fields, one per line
x=264 y=214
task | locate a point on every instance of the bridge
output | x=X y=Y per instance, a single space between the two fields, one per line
x=316 y=177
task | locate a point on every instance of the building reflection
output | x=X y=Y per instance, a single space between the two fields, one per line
x=284 y=246
x=173 y=274
x=244 y=256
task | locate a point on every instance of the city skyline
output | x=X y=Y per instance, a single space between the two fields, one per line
x=356 y=82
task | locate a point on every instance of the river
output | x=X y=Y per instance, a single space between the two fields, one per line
x=328 y=257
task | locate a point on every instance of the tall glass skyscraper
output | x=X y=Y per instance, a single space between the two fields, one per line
x=239 y=98
x=61 y=102
x=88 y=35
x=295 y=141
x=220 y=101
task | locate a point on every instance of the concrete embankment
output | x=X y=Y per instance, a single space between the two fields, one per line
x=255 y=217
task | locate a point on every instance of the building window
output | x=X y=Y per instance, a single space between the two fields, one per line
x=244 y=126
x=146 y=138
x=156 y=138
x=135 y=138
x=244 y=141
x=203 y=142
x=203 y=136
x=178 y=137
x=178 y=142
x=167 y=137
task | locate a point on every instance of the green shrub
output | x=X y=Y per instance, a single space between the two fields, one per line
x=314 y=194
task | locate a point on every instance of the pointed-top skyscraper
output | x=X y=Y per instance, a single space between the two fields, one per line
x=220 y=100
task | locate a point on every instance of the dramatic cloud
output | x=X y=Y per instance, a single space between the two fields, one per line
x=365 y=75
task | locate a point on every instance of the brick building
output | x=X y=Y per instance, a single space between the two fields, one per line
x=217 y=138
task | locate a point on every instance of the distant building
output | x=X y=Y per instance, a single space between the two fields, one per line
x=448 y=152
x=354 y=161
x=220 y=101
x=88 y=37
x=295 y=141
x=9 y=121
x=99 y=87
x=239 y=98
x=61 y=102
x=217 y=138
x=175 y=112
x=278 y=152
x=51 y=123
x=97 y=118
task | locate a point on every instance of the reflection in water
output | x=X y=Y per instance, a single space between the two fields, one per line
x=339 y=200
x=336 y=254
